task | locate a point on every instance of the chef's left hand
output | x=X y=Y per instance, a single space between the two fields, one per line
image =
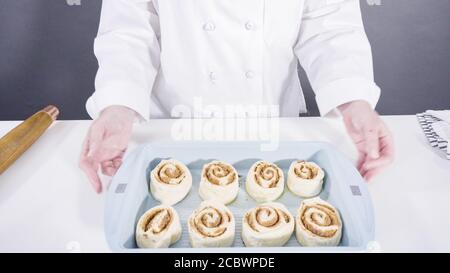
x=372 y=138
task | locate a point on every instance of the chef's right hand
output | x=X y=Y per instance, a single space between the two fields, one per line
x=106 y=142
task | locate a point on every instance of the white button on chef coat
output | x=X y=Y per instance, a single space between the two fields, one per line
x=154 y=54
x=209 y=26
x=249 y=25
x=249 y=74
x=212 y=76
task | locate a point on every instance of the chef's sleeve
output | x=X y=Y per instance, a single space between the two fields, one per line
x=334 y=51
x=128 y=54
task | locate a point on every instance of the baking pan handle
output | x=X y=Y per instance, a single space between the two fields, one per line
x=116 y=208
x=359 y=190
x=113 y=209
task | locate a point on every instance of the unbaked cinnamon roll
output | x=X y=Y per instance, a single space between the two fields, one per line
x=159 y=227
x=219 y=181
x=305 y=179
x=170 y=181
x=211 y=225
x=267 y=225
x=265 y=182
x=318 y=223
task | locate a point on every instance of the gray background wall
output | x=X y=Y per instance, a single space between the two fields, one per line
x=46 y=55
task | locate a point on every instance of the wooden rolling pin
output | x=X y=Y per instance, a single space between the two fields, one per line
x=19 y=139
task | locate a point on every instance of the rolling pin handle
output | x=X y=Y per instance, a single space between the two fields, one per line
x=52 y=111
x=19 y=139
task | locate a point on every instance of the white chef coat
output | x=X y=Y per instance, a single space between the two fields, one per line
x=155 y=55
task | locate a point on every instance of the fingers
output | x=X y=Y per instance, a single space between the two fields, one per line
x=103 y=154
x=90 y=168
x=117 y=141
x=105 y=144
x=371 y=137
x=386 y=150
x=84 y=148
x=378 y=163
x=110 y=167
x=369 y=175
x=370 y=167
x=108 y=152
x=101 y=158
x=361 y=161
x=373 y=167
x=94 y=138
x=387 y=145
x=117 y=162
x=110 y=160
x=89 y=162
x=109 y=147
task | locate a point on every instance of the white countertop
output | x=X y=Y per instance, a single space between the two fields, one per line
x=47 y=204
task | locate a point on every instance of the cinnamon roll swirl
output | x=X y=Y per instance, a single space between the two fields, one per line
x=170 y=181
x=159 y=227
x=267 y=225
x=211 y=225
x=265 y=182
x=318 y=223
x=305 y=179
x=219 y=181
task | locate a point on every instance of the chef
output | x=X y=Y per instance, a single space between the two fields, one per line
x=156 y=54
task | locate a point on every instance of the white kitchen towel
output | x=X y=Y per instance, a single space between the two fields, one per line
x=436 y=126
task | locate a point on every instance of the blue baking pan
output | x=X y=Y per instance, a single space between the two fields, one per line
x=128 y=196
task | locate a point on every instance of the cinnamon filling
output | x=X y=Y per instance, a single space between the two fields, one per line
x=305 y=170
x=157 y=221
x=320 y=220
x=267 y=175
x=210 y=222
x=266 y=217
x=170 y=173
x=220 y=174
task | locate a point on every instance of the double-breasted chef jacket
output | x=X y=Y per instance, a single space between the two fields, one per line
x=155 y=55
